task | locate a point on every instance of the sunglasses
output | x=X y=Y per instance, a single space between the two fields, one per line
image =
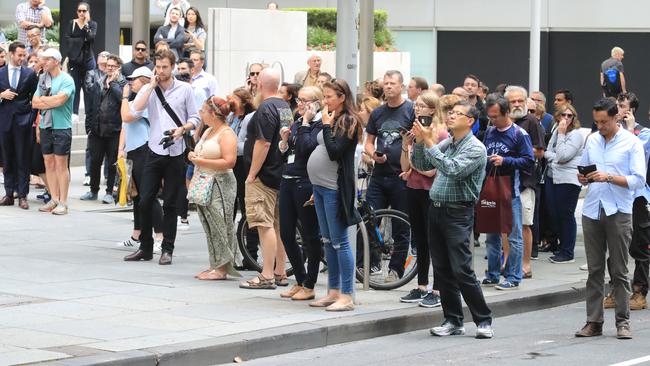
x=82 y=11
x=140 y=49
x=567 y=115
x=531 y=111
x=252 y=73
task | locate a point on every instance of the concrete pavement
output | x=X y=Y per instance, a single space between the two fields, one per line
x=67 y=297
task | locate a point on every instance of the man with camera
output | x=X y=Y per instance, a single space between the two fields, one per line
x=172 y=113
x=613 y=166
x=386 y=188
x=104 y=133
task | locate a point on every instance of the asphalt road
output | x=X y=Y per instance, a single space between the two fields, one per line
x=539 y=338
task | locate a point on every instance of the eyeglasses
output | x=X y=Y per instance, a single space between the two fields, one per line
x=304 y=101
x=567 y=115
x=457 y=113
x=253 y=73
x=140 y=49
x=109 y=66
x=82 y=11
x=422 y=106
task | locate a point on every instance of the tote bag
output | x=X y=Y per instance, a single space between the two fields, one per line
x=494 y=207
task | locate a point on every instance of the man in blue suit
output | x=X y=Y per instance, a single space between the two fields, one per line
x=17 y=85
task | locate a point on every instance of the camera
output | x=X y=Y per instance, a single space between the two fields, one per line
x=167 y=139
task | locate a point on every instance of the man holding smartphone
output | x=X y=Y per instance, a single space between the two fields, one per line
x=607 y=215
x=163 y=163
x=386 y=188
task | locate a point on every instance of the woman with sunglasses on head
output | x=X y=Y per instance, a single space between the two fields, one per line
x=333 y=176
x=418 y=183
x=214 y=156
x=563 y=155
x=78 y=38
x=296 y=145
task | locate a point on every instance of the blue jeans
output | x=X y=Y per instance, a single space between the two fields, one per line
x=562 y=199
x=512 y=271
x=334 y=232
x=385 y=191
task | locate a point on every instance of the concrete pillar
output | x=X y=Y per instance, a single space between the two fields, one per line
x=346 y=41
x=366 y=40
x=535 y=44
x=140 y=24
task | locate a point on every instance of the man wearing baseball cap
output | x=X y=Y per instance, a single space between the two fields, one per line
x=133 y=145
x=53 y=98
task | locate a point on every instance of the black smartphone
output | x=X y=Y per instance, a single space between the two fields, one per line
x=425 y=120
x=584 y=170
x=379 y=153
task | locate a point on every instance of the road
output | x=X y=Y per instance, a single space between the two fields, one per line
x=539 y=338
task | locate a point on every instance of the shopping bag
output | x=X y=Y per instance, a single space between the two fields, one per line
x=494 y=207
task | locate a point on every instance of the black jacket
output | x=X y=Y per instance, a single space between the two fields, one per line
x=78 y=46
x=92 y=97
x=109 y=118
x=341 y=149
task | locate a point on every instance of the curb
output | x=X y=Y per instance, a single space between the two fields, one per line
x=303 y=336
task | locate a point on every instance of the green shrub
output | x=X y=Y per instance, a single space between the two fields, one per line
x=321 y=28
x=11 y=32
x=51 y=34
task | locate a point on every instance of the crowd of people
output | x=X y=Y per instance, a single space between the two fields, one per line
x=282 y=153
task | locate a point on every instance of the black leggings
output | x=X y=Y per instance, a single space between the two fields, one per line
x=418 y=211
x=139 y=158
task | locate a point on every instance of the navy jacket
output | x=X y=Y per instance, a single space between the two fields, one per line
x=19 y=109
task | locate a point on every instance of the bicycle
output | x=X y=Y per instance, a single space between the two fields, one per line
x=382 y=226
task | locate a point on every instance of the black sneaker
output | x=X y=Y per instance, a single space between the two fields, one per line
x=416 y=295
x=488 y=282
x=430 y=301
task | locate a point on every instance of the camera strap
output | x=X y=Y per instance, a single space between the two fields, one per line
x=187 y=138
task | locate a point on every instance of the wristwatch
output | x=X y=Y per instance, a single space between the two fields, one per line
x=610 y=178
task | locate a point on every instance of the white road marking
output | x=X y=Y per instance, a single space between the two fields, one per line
x=635 y=361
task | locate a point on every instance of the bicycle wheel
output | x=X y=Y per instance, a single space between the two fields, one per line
x=389 y=239
x=252 y=253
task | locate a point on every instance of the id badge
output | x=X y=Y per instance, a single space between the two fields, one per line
x=291 y=159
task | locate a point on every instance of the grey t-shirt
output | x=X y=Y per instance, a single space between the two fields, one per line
x=611 y=63
x=321 y=170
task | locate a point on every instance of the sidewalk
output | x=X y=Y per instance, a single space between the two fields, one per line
x=66 y=296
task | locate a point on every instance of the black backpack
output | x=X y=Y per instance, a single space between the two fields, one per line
x=612 y=82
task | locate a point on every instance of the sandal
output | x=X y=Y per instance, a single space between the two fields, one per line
x=261 y=283
x=212 y=275
x=281 y=280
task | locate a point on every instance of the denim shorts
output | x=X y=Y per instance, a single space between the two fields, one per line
x=189 y=172
x=57 y=142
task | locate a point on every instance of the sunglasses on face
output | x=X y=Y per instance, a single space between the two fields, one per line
x=567 y=115
x=531 y=111
x=253 y=73
x=140 y=49
x=82 y=11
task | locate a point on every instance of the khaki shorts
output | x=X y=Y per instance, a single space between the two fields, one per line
x=262 y=205
x=527 y=197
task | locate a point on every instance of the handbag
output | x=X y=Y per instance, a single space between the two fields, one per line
x=200 y=190
x=187 y=138
x=494 y=207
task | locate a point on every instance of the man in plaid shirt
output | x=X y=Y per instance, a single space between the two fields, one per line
x=460 y=163
x=32 y=12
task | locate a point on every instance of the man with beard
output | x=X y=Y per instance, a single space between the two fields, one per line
x=386 y=188
x=140 y=58
x=509 y=149
x=165 y=162
x=517 y=96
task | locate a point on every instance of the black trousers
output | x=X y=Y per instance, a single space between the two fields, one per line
x=102 y=148
x=449 y=239
x=639 y=247
x=418 y=211
x=252 y=238
x=156 y=169
x=16 y=158
x=139 y=159
x=293 y=194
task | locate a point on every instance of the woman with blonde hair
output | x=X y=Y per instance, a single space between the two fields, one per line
x=418 y=183
x=563 y=154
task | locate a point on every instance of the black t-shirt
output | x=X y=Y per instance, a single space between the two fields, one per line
x=265 y=125
x=535 y=129
x=384 y=123
x=129 y=67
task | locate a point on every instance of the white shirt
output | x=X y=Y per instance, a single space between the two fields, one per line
x=10 y=74
x=207 y=82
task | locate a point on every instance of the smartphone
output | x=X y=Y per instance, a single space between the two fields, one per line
x=379 y=153
x=425 y=120
x=402 y=130
x=584 y=170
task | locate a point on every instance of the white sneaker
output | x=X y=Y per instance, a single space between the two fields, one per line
x=129 y=243
x=584 y=267
x=157 y=246
x=182 y=225
x=61 y=209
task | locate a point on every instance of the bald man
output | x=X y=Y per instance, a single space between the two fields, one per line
x=461 y=92
x=309 y=77
x=263 y=161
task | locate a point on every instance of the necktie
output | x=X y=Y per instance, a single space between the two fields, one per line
x=14 y=78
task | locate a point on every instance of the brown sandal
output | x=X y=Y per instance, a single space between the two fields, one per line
x=261 y=283
x=281 y=280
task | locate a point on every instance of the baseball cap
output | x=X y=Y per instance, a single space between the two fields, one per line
x=141 y=71
x=51 y=52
